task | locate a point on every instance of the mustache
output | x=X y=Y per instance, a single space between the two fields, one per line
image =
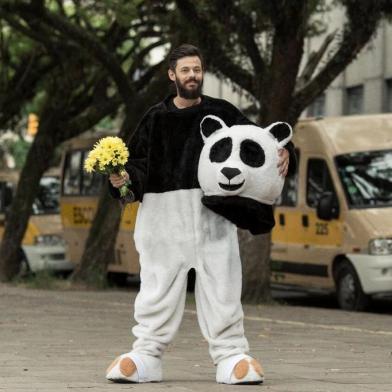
x=192 y=80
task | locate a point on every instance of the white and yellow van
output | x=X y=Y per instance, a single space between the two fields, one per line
x=334 y=220
x=43 y=247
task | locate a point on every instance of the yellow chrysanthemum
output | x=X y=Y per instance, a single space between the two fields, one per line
x=108 y=153
x=89 y=165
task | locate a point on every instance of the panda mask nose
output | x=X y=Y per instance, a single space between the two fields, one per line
x=230 y=172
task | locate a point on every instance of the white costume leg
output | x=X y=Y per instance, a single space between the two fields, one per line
x=165 y=239
x=159 y=305
x=218 y=287
x=218 y=300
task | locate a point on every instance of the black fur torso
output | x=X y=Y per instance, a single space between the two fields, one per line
x=174 y=142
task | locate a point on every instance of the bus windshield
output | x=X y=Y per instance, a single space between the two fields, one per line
x=47 y=200
x=366 y=178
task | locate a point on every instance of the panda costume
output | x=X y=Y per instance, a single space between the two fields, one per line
x=180 y=226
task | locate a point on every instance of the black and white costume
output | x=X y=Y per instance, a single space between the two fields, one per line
x=175 y=232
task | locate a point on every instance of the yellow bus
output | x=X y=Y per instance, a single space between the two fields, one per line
x=78 y=203
x=333 y=223
x=43 y=246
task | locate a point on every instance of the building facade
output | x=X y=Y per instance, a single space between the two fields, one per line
x=364 y=87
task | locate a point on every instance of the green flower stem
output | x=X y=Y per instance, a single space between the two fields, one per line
x=124 y=189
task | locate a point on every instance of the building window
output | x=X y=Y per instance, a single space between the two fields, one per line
x=354 y=100
x=317 y=107
x=388 y=95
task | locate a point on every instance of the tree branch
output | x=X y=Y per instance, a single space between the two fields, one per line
x=243 y=24
x=314 y=60
x=139 y=57
x=363 y=19
x=89 y=118
x=84 y=39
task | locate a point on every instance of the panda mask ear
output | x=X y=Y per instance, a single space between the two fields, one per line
x=282 y=132
x=210 y=124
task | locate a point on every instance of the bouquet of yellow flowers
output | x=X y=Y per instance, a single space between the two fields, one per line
x=108 y=156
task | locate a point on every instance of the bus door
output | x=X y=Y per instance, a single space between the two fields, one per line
x=285 y=235
x=321 y=239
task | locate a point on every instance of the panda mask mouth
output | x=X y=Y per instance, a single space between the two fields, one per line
x=229 y=174
x=231 y=187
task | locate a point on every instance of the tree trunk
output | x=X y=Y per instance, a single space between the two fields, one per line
x=37 y=162
x=99 y=247
x=255 y=256
x=100 y=244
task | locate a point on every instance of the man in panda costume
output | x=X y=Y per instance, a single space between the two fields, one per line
x=177 y=229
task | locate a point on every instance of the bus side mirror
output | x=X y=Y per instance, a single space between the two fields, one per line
x=327 y=207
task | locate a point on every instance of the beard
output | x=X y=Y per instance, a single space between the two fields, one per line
x=186 y=93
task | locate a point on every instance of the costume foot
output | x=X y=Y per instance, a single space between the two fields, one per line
x=239 y=369
x=135 y=368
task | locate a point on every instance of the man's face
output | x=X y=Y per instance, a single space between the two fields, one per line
x=188 y=77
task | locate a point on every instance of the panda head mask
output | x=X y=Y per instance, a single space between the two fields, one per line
x=238 y=171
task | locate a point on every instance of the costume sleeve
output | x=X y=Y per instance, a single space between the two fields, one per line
x=137 y=164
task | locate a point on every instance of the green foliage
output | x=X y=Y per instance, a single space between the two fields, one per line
x=19 y=150
x=44 y=279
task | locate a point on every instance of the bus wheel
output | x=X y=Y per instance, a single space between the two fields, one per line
x=349 y=290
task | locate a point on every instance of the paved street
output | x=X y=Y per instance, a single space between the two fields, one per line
x=64 y=340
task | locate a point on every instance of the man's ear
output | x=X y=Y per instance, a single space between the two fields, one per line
x=211 y=124
x=172 y=75
x=281 y=131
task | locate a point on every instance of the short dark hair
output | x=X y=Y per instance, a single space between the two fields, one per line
x=181 y=51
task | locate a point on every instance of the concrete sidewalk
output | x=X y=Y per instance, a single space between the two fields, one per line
x=64 y=340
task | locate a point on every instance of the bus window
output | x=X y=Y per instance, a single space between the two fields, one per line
x=72 y=173
x=92 y=182
x=319 y=181
x=289 y=195
x=47 y=200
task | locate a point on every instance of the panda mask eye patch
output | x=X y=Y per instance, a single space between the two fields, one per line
x=221 y=150
x=252 y=153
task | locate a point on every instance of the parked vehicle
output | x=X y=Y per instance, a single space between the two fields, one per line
x=43 y=246
x=334 y=220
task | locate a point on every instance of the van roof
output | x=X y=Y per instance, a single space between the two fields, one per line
x=12 y=175
x=346 y=134
x=88 y=138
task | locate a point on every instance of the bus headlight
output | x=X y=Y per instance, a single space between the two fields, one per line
x=380 y=246
x=49 y=240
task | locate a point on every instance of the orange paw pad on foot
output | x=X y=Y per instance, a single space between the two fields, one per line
x=241 y=369
x=258 y=368
x=112 y=365
x=127 y=367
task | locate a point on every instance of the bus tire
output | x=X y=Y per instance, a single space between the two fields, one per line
x=349 y=291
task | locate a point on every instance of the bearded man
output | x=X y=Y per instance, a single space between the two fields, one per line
x=175 y=232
